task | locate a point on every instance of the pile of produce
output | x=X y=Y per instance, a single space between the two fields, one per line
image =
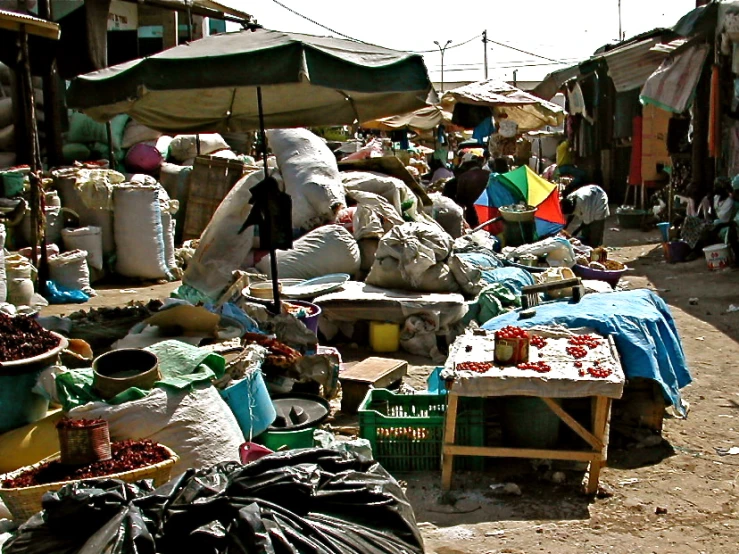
x=126 y=456
x=280 y=355
x=21 y=337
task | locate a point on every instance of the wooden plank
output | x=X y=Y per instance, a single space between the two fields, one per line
x=586 y=435
x=450 y=431
x=600 y=417
x=504 y=452
x=367 y=374
x=376 y=371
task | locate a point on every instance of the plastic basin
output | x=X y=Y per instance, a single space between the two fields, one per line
x=610 y=277
x=310 y=320
x=277 y=440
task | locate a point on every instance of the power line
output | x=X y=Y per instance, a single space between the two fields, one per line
x=500 y=67
x=447 y=48
x=523 y=51
x=334 y=31
x=329 y=29
x=466 y=42
x=479 y=64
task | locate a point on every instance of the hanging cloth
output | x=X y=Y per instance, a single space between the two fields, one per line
x=714 y=115
x=636 y=152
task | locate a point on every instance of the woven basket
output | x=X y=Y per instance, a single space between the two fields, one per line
x=25 y=502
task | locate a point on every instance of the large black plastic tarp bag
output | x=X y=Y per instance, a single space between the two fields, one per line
x=301 y=501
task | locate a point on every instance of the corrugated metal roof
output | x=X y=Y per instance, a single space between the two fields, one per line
x=13 y=21
x=629 y=67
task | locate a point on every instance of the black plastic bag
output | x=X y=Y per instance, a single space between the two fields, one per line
x=299 y=501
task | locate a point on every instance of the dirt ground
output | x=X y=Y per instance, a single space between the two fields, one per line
x=675 y=496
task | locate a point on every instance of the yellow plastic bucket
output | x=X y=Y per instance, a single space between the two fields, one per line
x=384 y=337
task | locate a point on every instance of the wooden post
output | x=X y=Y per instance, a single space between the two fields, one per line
x=171 y=31
x=53 y=104
x=450 y=432
x=37 y=215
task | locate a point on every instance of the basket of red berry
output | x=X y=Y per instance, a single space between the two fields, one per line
x=511 y=346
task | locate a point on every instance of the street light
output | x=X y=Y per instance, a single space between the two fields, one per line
x=442 y=49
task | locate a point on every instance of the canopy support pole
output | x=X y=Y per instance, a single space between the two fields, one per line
x=38 y=222
x=109 y=133
x=272 y=252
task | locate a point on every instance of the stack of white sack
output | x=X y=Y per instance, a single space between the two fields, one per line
x=413 y=257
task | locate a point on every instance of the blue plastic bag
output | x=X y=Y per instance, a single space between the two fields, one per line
x=57 y=294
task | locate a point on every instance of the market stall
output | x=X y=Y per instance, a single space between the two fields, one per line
x=549 y=363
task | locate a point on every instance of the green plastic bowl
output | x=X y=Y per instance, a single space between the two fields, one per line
x=275 y=440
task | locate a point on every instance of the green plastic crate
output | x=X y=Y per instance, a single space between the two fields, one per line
x=406 y=431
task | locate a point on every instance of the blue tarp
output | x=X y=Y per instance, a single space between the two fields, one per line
x=641 y=325
x=513 y=278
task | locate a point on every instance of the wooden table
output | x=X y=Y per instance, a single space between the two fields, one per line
x=518 y=382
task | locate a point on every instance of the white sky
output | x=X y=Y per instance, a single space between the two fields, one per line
x=569 y=30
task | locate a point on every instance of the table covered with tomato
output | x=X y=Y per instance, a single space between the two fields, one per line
x=552 y=362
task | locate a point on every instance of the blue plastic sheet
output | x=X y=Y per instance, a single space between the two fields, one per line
x=642 y=328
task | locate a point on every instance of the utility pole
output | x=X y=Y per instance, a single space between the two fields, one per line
x=620 y=30
x=485 y=50
x=442 y=49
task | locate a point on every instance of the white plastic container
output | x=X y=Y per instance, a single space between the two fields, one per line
x=717 y=256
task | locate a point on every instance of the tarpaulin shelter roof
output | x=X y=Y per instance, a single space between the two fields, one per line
x=629 y=63
x=421 y=120
x=211 y=84
x=528 y=111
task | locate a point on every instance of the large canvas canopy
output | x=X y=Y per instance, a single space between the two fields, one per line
x=422 y=120
x=211 y=84
x=530 y=112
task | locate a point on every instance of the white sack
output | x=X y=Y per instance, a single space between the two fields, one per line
x=447 y=213
x=198 y=425
x=89 y=239
x=311 y=176
x=558 y=251
x=184 y=147
x=374 y=215
x=135 y=133
x=18 y=266
x=221 y=249
x=323 y=251
x=392 y=189
x=64 y=181
x=139 y=236
x=411 y=257
x=3 y=280
x=386 y=273
x=168 y=224
x=69 y=269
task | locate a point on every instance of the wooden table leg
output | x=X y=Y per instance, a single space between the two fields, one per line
x=600 y=425
x=450 y=431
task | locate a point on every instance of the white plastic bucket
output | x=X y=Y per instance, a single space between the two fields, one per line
x=717 y=256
